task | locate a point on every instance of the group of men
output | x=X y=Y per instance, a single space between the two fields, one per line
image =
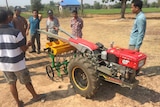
x=13 y=43
x=52 y=25
x=18 y=22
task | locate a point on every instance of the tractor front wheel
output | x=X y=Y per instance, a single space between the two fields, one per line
x=50 y=72
x=83 y=76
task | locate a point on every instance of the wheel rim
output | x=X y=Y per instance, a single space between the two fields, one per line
x=80 y=78
x=50 y=72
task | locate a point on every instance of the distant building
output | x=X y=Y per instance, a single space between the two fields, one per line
x=3 y=7
x=69 y=4
x=23 y=9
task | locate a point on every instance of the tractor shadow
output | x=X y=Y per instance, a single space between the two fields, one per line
x=38 y=57
x=56 y=95
x=39 y=64
x=107 y=91
x=151 y=71
x=34 y=73
x=2 y=79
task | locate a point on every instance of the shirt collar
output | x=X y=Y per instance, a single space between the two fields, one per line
x=75 y=18
x=139 y=14
x=51 y=18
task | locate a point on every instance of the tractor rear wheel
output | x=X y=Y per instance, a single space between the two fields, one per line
x=83 y=76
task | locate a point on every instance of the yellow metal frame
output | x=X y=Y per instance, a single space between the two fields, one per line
x=58 y=47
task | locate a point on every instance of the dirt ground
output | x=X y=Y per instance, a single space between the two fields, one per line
x=104 y=29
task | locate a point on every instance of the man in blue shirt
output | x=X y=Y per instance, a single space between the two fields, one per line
x=139 y=27
x=34 y=23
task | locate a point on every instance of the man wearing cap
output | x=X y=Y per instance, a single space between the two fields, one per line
x=52 y=25
x=20 y=22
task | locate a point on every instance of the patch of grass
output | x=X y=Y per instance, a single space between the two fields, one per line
x=117 y=11
x=66 y=13
x=91 y=11
x=26 y=14
x=150 y=10
x=101 y=11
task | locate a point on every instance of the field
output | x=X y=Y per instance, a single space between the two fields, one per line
x=104 y=29
x=116 y=11
x=93 y=12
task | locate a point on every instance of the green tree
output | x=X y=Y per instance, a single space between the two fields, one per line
x=52 y=3
x=36 y=4
x=123 y=6
x=154 y=4
x=158 y=3
x=145 y=3
x=82 y=7
x=87 y=6
x=97 y=5
x=117 y=5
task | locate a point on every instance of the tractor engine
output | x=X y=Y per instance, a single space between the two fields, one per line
x=118 y=63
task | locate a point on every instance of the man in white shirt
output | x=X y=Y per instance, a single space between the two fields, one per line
x=52 y=25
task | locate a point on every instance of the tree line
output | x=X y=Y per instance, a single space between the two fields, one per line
x=36 y=4
x=104 y=4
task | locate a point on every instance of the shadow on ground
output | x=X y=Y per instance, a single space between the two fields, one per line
x=2 y=79
x=141 y=94
x=40 y=64
x=56 y=95
x=107 y=91
x=151 y=71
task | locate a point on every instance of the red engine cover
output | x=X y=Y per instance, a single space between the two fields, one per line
x=128 y=57
x=83 y=42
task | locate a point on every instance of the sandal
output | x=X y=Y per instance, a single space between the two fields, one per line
x=21 y=104
x=39 y=98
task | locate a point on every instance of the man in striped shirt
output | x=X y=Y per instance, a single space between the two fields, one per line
x=12 y=60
